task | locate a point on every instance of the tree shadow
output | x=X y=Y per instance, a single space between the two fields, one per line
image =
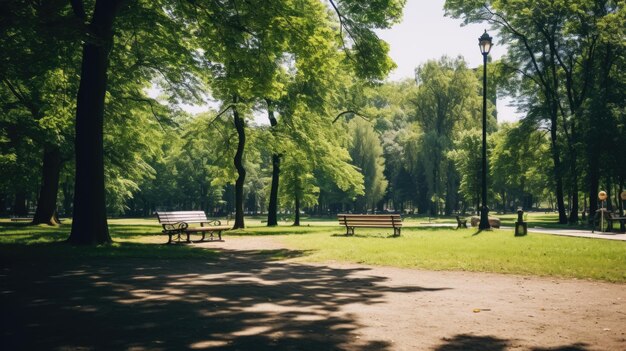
x=466 y=342
x=239 y=300
x=573 y=347
x=367 y=236
x=425 y=228
x=478 y=231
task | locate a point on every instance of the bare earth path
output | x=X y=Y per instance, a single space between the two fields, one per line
x=248 y=301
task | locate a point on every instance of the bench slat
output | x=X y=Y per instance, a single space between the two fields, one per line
x=379 y=220
x=369 y=221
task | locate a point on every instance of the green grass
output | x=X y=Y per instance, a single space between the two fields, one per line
x=322 y=241
x=133 y=238
x=495 y=251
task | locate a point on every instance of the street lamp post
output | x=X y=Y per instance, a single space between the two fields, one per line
x=485 y=44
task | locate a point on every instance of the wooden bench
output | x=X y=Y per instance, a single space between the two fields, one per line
x=177 y=223
x=461 y=222
x=351 y=221
x=613 y=217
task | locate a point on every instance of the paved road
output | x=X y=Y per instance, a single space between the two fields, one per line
x=578 y=233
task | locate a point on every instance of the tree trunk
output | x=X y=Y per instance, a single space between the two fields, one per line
x=609 y=187
x=272 y=210
x=67 y=198
x=241 y=171
x=89 y=225
x=573 y=215
x=3 y=204
x=272 y=217
x=296 y=221
x=47 y=202
x=621 y=202
x=556 y=158
x=19 y=204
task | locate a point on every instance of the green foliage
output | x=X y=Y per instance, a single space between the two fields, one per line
x=564 y=66
x=298 y=181
x=467 y=159
x=520 y=164
x=446 y=103
x=367 y=155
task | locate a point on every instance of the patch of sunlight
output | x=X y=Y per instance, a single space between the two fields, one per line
x=252 y=331
x=207 y=344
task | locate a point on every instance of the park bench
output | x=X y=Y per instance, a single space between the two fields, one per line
x=614 y=217
x=351 y=221
x=177 y=223
x=461 y=222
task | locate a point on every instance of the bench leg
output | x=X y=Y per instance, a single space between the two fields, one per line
x=396 y=231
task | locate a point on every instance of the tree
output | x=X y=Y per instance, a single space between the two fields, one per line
x=299 y=189
x=553 y=47
x=367 y=155
x=468 y=163
x=445 y=102
x=519 y=165
x=89 y=225
x=40 y=60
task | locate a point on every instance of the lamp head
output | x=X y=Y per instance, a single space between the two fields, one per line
x=485 y=43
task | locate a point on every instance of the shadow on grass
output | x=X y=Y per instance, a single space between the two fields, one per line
x=366 y=236
x=269 y=231
x=34 y=251
x=240 y=300
x=465 y=342
x=25 y=233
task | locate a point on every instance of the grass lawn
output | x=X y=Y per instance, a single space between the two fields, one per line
x=424 y=248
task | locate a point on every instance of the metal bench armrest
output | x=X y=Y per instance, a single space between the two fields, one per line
x=175 y=227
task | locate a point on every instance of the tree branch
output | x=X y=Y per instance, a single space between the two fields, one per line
x=369 y=119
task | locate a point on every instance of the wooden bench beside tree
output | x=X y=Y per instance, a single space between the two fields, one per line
x=177 y=223
x=351 y=221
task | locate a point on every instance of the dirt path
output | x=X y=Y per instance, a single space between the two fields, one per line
x=248 y=301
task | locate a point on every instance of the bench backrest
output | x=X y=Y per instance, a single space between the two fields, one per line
x=384 y=220
x=181 y=216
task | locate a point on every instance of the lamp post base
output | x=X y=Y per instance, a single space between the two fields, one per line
x=484 y=219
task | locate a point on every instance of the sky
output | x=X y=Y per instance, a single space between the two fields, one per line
x=426 y=34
